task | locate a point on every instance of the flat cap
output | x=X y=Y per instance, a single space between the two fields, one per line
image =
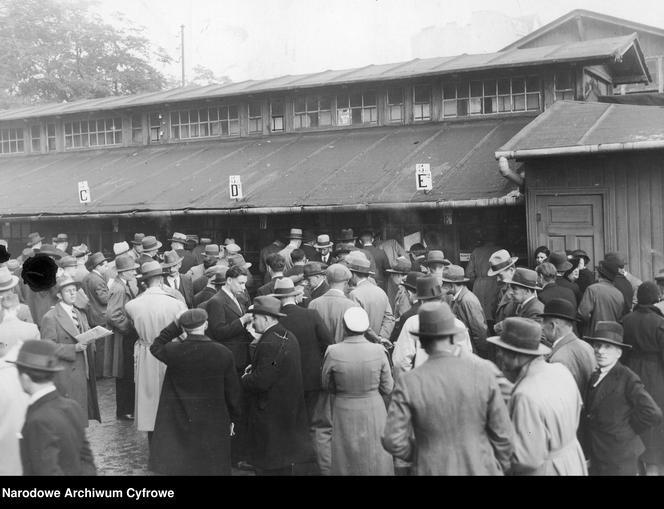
x=337 y=273
x=193 y=318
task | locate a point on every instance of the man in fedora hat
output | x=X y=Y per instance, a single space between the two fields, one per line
x=119 y=248
x=550 y=287
x=466 y=307
x=274 y=247
x=61 y=242
x=137 y=246
x=448 y=416
x=53 y=440
x=367 y=239
x=81 y=253
x=545 y=405
x=502 y=266
x=62 y=324
x=436 y=262
x=316 y=282
x=199 y=401
x=182 y=283
x=332 y=305
x=95 y=287
x=197 y=247
x=618 y=407
x=558 y=320
x=323 y=246
x=276 y=265
x=9 y=286
x=397 y=295
x=408 y=352
x=409 y=286
x=601 y=302
x=151 y=247
x=178 y=242
x=216 y=277
x=627 y=283
x=562 y=264
x=294 y=242
x=278 y=429
x=35 y=241
x=123 y=290
x=312 y=335
x=370 y=297
x=149 y=313
x=308 y=240
x=523 y=287
x=210 y=258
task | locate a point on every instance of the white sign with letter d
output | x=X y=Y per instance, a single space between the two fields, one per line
x=235 y=187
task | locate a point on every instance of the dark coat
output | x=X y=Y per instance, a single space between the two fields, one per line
x=310 y=252
x=188 y=260
x=124 y=333
x=268 y=287
x=531 y=309
x=586 y=278
x=38 y=302
x=402 y=320
x=73 y=382
x=644 y=330
x=625 y=287
x=96 y=289
x=382 y=264
x=313 y=338
x=601 y=302
x=616 y=412
x=557 y=291
x=186 y=289
x=204 y=295
x=53 y=438
x=224 y=326
x=566 y=283
x=321 y=290
x=278 y=426
x=199 y=399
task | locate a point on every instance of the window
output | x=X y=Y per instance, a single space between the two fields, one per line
x=277 y=115
x=50 y=137
x=395 y=104
x=421 y=102
x=357 y=108
x=93 y=133
x=485 y=97
x=312 y=111
x=157 y=123
x=255 y=117
x=205 y=123
x=137 y=129
x=35 y=138
x=11 y=140
x=563 y=86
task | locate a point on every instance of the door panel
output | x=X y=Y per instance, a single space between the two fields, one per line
x=568 y=222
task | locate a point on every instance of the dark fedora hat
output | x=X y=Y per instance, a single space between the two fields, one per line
x=521 y=335
x=454 y=274
x=346 y=235
x=40 y=355
x=171 y=259
x=428 y=288
x=647 y=293
x=402 y=266
x=313 y=269
x=436 y=321
x=411 y=280
x=295 y=233
x=285 y=287
x=124 y=263
x=608 y=269
x=267 y=305
x=436 y=256
x=559 y=261
x=34 y=238
x=342 y=247
x=95 y=260
x=138 y=239
x=608 y=332
x=560 y=308
x=617 y=258
x=526 y=278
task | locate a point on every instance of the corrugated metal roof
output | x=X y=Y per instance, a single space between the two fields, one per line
x=570 y=124
x=331 y=168
x=598 y=49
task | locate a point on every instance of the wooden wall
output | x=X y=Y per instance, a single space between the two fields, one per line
x=633 y=186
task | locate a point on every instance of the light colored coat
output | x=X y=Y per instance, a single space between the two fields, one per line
x=578 y=356
x=375 y=302
x=545 y=409
x=600 y=301
x=14 y=403
x=448 y=417
x=13 y=328
x=150 y=313
x=331 y=306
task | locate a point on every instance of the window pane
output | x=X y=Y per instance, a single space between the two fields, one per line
x=325 y=118
x=450 y=108
x=475 y=89
x=93 y=140
x=213 y=114
x=203 y=115
x=277 y=108
x=519 y=102
x=563 y=80
x=517 y=85
x=395 y=95
x=355 y=100
x=370 y=115
x=184 y=131
x=204 y=130
x=313 y=119
x=395 y=113
x=533 y=101
x=476 y=105
x=325 y=102
x=462 y=90
x=504 y=86
x=342 y=101
x=356 y=116
x=193 y=130
x=504 y=103
x=215 y=129
x=489 y=105
x=300 y=105
x=462 y=107
x=370 y=98
x=449 y=90
x=36 y=145
x=235 y=127
x=175 y=132
x=533 y=84
x=277 y=123
x=255 y=109
x=184 y=117
x=232 y=112
x=19 y=146
x=422 y=94
x=490 y=87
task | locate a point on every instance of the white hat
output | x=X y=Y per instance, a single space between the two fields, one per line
x=120 y=248
x=356 y=319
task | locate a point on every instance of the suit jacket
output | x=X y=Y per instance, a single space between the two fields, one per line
x=331 y=307
x=225 y=327
x=96 y=289
x=566 y=283
x=556 y=291
x=375 y=302
x=15 y=329
x=186 y=289
x=578 y=356
x=120 y=324
x=53 y=438
x=78 y=380
x=188 y=260
x=468 y=309
x=204 y=295
x=617 y=411
x=601 y=301
x=312 y=336
x=382 y=263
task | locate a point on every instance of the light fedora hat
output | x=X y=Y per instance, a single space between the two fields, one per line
x=7 y=279
x=521 y=335
x=500 y=261
x=285 y=287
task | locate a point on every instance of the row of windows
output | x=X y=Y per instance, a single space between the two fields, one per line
x=459 y=99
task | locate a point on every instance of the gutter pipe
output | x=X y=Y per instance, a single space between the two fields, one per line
x=580 y=150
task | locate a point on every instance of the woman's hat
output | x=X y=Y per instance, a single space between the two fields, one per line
x=608 y=332
x=559 y=261
x=124 y=263
x=323 y=241
x=171 y=259
x=436 y=321
x=356 y=320
x=526 y=278
x=428 y=288
x=500 y=261
x=521 y=335
x=560 y=308
x=40 y=355
x=267 y=305
x=454 y=274
x=7 y=280
x=285 y=287
x=580 y=253
x=402 y=266
x=411 y=280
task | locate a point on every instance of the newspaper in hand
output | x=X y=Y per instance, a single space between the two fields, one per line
x=93 y=334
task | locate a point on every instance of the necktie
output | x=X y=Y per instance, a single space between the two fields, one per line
x=595 y=377
x=74 y=317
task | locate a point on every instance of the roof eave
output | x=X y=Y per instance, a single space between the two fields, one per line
x=523 y=154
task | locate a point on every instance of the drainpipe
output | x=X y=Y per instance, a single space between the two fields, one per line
x=509 y=173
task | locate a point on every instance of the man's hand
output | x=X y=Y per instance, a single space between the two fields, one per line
x=246 y=318
x=248 y=370
x=177 y=317
x=79 y=347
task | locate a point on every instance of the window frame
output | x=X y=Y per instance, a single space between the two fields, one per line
x=311 y=115
x=281 y=116
x=368 y=113
x=256 y=119
x=89 y=131
x=36 y=139
x=12 y=140
x=203 y=123
x=420 y=104
x=391 y=105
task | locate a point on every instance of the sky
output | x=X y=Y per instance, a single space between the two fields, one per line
x=260 y=39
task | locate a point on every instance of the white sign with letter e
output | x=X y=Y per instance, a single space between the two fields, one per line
x=84 y=192
x=235 y=187
x=423 y=181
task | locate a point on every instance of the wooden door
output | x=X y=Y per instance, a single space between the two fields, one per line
x=568 y=222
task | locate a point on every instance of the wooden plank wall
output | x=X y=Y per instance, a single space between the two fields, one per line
x=634 y=216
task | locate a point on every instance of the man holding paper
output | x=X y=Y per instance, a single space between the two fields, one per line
x=65 y=324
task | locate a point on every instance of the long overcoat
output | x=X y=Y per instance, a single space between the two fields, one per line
x=331 y=306
x=644 y=330
x=600 y=302
x=124 y=333
x=150 y=312
x=578 y=356
x=277 y=417
x=78 y=380
x=225 y=327
x=199 y=399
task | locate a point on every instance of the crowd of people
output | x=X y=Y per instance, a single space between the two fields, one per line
x=352 y=357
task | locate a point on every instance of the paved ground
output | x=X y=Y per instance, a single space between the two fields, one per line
x=119 y=449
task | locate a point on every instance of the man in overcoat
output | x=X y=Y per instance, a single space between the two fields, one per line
x=95 y=286
x=550 y=288
x=199 y=400
x=545 y=405
x=618 y=407
x=332 y=305
x=367 y=239
x=317 y=286
x=277 y=418
x=601 y=302
x=174 y=279
x=523 y=287
x=53 y=436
